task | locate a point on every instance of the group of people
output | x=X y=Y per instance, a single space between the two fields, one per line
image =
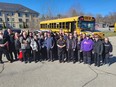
x=50 y=46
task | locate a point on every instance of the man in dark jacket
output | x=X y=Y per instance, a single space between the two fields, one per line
x=3 y=48
x=97 y=50
x=11 y=41
x=107 y=50
x=71 y=46
x=61 y=43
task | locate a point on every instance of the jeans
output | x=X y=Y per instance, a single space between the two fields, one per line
x=87 y=57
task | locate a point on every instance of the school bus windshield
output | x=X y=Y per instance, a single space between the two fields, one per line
x=87 y=26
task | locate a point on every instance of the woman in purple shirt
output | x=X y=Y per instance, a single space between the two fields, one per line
x=86 y=47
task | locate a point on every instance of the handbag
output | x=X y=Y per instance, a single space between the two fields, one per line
x=20 y=56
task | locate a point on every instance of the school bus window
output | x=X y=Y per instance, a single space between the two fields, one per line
x=54 y=25
x=63 y=25
x=45 y=25
x=51 y=25
x=48 y=26
x=57 y=26
x=67 y=25
x=40 y=25
x=60 y=25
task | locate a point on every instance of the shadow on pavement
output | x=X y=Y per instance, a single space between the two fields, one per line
x=112 y=60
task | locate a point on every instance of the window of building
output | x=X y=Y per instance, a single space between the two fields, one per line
x=0 y=19
x=20 y=20
x=27 y=15
x=20 y=26
x=27 y=20
x=13 y=25
x=20 y=14
x=12 y=13
x=35 y=15
x=8 y=19
x=7 y=14
x=0 y=13
x=1 y=26
x=12 y=19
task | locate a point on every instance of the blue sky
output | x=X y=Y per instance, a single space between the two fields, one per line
x=103 y=7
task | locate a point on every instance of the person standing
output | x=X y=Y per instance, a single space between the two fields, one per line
x=106 y=51
x=17 y=43
x=25 y=47
x=35 y=48
x=44 y=46
x=97 y=50
x=71 y=47
x=50 y=45
x=78 y=49
x=42 y=49
x=61 y=43
x=4 y=48
x=11 y=43
x=86 y=47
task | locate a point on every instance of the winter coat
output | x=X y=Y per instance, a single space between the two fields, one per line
x=49 y=43
x=25 y=45
x=87 y=45
x=34 y=45
x=17 y=44
x=107 y=47
x=98 y=47
x=73 y=44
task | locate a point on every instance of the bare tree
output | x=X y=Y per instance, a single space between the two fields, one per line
x=99 y=18
x=42 y=17
x=75 y=10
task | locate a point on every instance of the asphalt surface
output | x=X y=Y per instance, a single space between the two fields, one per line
x=54 y=74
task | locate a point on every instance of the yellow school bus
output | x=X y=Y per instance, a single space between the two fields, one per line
x=115 y=27
x=80 y=24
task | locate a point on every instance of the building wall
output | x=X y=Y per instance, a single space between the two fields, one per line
x=14 y=20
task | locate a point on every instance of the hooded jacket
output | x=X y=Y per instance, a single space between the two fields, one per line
x=87 y=45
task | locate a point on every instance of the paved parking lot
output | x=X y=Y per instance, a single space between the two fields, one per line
x=53 y=74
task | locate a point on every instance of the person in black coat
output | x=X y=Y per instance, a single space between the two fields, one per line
x=71 y=47
x=97 y=50
x=11 y=42
x=107 y=50
x=61 y=43
x=4 y=48
x=17 y=43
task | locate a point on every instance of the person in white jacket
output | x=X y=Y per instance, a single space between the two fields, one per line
x=35 y=48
